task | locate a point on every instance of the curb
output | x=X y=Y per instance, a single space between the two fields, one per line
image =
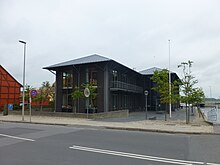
x=163 y=131
x=27 y=122
x=119 y=128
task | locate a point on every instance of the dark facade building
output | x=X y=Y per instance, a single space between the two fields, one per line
x=154 y=97
x=117 y=86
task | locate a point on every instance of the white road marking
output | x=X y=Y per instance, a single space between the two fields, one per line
x=16 y=137
x=138 y=156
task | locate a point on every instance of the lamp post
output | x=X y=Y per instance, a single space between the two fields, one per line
x=170 y=106
x=23 y=42
x=146 y=94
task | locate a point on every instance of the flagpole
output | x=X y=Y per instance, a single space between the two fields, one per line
x=170 y=106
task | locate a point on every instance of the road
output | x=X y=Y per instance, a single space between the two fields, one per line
x=25 y=144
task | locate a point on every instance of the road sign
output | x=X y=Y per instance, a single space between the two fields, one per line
x=10 y=106
x=33 y=93
x=146 y=93
x=86 y=92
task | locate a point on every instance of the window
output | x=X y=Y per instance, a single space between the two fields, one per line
x=124 y=78
x=115 y=102
x=67 y=102
x=125 y=100
x=114 y=78
x=93 y=78
x=67 y=80
x=115 y=75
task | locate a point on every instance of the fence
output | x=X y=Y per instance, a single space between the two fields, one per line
x=212 y=115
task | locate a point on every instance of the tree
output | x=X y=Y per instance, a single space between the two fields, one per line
x=44 y=93
x=51 y=95
x=78 y=93
x=191 y=94
x=28 y=88
x=27 y=91
x=161 y=80
x=93 y=93
x=197 y=97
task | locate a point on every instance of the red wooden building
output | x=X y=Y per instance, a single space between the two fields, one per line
x=9 y=89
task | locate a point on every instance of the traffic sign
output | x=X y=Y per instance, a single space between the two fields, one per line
x=145 y=92
x=33 y=93
x=10 y=106
x=86 y=92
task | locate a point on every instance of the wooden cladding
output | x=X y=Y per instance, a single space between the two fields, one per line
x=9 y=89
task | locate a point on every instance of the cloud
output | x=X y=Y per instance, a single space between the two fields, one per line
x=126 y=30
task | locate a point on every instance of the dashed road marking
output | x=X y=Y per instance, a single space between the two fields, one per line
x=16 y=137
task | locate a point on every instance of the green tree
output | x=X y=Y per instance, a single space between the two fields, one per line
x=27 y=91
x=191 y=94
x=44 y=93
x=161 y=80
x=51 y=95
x=77 y=94
x=196 y=97
x=93 y=94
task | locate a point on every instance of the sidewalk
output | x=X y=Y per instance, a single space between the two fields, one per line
x=177 y=126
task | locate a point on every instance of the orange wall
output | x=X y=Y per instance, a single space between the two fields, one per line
x=9 y=89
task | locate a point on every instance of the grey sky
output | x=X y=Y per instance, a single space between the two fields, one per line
x=132 y=32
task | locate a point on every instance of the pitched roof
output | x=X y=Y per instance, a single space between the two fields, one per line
x=1 y=67
x=84 y=60
x=149 y=71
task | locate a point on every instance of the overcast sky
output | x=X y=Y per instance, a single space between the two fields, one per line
x=132 y=32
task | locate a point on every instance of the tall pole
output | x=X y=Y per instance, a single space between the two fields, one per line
x=23 y=42
x=146 y=94
x=170 y=108
x=146 y=108
x=210 y=88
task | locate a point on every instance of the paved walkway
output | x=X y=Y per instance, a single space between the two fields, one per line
x=140 y=116
x=197 y=126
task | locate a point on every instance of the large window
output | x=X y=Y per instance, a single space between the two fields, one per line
x=115 y=101
x=67 y=90
x=124 y=78
x=115 y=75
x=93 y=78
x=67 y=80
x=67 y=102
x=125 y=101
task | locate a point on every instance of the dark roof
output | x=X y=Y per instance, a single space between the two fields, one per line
x=84 y=60
x=150 y=71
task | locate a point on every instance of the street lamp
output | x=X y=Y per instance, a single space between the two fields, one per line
x=146 y=93
x=23 y=42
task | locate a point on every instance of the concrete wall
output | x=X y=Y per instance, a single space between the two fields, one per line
x=113 y=114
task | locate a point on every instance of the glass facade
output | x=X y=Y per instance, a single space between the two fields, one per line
x=67 y=101
x=67 y=80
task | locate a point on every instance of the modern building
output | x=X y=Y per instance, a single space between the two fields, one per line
x=153 y=96
x=117 y=86
x=9 y=89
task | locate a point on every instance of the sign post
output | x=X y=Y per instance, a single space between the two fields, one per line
x=87 y=94
x=146 y=93
x=33 y=93
x=30 y=107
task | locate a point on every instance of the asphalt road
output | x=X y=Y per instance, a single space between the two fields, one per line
x=29 y=144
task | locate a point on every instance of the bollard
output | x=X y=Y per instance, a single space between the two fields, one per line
x=5 y=111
